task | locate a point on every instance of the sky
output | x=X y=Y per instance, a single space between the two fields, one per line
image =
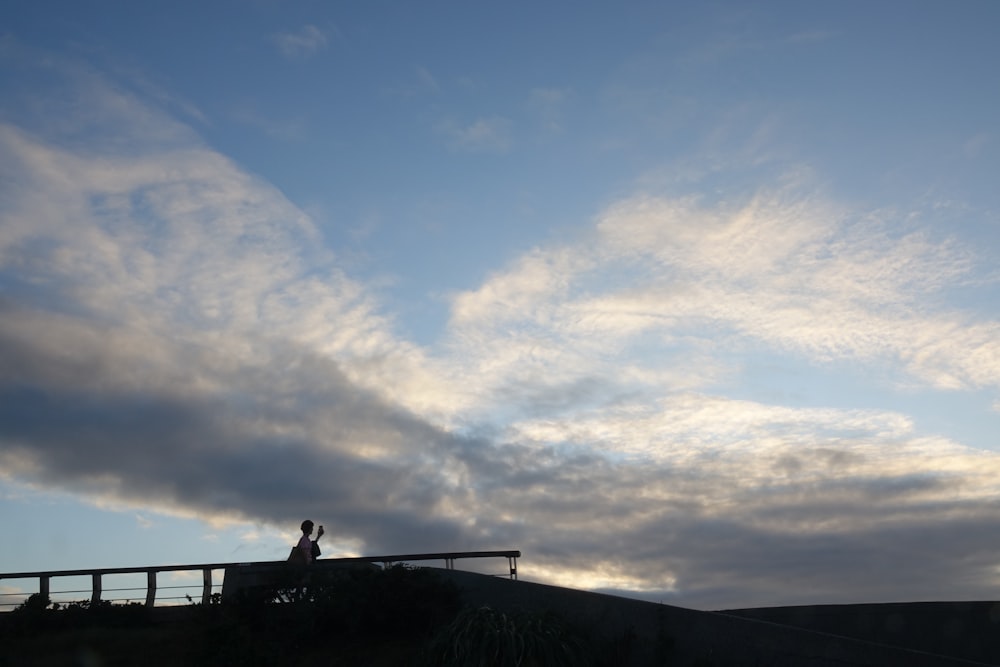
x=692 y=302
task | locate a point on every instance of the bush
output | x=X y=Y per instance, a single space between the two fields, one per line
x=37 y=614
x=34 y=604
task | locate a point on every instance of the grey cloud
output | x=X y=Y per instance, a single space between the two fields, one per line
x=714 y=563
x=205 y=454
x=927 y=560
x=776 y=544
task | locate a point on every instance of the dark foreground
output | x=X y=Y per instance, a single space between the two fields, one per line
x=428 y=617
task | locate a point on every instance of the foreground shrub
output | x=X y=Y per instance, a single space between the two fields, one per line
x=38 y=615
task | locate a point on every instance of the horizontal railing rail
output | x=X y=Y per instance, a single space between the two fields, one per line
x=97 y=574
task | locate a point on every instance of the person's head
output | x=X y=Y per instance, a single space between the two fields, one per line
x=307 y=527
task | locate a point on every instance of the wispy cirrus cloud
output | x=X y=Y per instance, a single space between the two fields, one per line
x=303 y=43
x=794 y=275
x=550 y=106
x=420 y=82
x=484 y=135
x=290 y=129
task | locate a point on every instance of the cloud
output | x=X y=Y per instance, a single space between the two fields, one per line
x=548 y=104
x=148 y=297
x=293 y=129
x=422 y=82
x=303 y=43
x=614 y=348
x=426 y=80
x=796 y=276
x=484 y=135
x=977 y=145
x=174 y=337
x=247 y=451
x=812 y=36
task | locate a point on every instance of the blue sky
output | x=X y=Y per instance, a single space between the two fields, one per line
x=693 y=302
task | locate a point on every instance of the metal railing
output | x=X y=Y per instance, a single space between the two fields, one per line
x=97 y=575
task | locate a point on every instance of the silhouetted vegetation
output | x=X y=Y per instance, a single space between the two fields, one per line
x=38 y=614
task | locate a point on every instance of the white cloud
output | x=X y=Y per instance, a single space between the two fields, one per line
x=484 y=135
x=977 y=144
x=426 y=80
x=687 y=423
x=421 y=82
x=791 y=274
x=549 y=105
x=305 y=42
x=291 y=129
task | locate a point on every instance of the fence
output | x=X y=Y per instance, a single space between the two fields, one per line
x=208 y=586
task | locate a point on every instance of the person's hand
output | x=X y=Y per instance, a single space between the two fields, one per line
x=320 y=533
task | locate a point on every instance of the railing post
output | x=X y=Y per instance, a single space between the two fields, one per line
x=206 y=591
x=95 y=598
x=512 y=562
x=43 y=587
x=150 y=588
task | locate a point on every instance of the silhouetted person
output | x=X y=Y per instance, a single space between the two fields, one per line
x=308 y=549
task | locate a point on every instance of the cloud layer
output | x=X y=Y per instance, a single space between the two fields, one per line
x=174 y=334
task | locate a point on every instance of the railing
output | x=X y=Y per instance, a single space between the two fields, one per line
x=97 y=575
x=449 y=559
